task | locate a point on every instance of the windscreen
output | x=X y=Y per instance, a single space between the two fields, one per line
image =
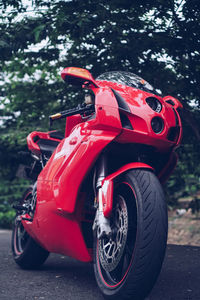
x=129 y=79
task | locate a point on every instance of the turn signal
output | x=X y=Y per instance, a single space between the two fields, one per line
x=56 y=116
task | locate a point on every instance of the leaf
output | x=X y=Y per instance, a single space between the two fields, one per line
x=37 y=32
x=3 y=44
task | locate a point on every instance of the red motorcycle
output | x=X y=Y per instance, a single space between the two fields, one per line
x=97 y=194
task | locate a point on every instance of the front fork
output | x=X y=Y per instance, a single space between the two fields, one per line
x=101 y=224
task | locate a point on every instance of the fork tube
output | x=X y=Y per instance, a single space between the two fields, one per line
x=101 y=170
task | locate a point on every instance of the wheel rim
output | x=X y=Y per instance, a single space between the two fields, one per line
x=20 y=237
x=115 y=254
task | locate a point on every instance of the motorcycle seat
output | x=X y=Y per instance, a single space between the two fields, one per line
x=56 y=135
x=47 y=147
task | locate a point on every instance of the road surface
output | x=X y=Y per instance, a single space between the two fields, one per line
x=63 y=278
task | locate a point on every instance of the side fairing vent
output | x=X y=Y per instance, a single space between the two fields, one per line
x=125 y=121
x=121 y=102
x=123 y=109
x=174 y=132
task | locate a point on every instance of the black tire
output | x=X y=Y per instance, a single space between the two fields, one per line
x=127 y=265
x=26 y=252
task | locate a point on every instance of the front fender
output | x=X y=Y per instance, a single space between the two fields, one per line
x=108 y=185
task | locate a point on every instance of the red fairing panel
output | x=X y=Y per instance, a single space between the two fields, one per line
x=71 y=122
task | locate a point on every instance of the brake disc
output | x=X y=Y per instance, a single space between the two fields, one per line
x=111 y=249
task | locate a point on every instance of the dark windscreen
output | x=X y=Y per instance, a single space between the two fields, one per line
x=128 y=79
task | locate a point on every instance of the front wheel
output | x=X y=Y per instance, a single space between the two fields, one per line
x=127 y=264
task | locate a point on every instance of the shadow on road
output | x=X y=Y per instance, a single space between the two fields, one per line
x=65 y=278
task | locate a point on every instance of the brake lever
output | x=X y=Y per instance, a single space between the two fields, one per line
x=70 y=112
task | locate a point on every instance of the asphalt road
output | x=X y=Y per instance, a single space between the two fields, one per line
x=63 y=278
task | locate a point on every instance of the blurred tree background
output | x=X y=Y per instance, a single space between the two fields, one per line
x=159 y=40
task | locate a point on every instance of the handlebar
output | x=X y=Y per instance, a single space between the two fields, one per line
x=90 y=108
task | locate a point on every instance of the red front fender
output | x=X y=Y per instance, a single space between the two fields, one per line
x=108 y=185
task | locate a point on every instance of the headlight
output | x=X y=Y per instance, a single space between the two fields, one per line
x=157 y=125
x=154 y=103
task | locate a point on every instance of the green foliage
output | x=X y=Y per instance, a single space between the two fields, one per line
x=6 y=218
x=10 y=192
x=159 y=40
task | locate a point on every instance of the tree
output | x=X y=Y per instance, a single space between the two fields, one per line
x=157 y=39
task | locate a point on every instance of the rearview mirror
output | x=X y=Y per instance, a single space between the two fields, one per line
x=173 y=101
x=78 y=76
